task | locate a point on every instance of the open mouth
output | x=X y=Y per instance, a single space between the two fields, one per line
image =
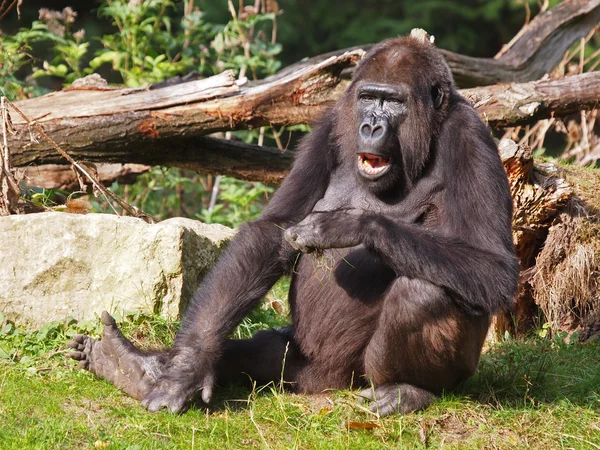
x=372 y=166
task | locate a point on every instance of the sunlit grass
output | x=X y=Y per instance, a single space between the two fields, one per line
x=532 y=393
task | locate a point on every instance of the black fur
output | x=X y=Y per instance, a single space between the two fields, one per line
x=411 y=264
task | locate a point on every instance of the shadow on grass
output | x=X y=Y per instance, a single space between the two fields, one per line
x=533 y=371
x=511 y=374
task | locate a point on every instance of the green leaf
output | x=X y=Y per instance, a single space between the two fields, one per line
x=5 y=351
x=7 y=329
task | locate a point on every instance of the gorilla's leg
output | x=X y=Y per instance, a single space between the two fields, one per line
x=269 y=356
x=423 y=343
x=117 y=360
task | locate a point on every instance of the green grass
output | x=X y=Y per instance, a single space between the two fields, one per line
x=534 y=393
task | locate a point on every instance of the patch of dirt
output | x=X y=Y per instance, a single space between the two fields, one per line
x=452 y=428
x=314 y=403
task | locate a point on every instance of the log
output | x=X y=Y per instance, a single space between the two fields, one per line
x=556 y=230
x=167 y=126
x=539 y=193
x=58 y=176
x=518 y=104
x=534 y=52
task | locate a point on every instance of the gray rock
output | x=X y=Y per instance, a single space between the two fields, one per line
x=54 y=265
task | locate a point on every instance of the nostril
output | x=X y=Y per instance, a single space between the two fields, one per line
x=365 y=130
x=377 y=131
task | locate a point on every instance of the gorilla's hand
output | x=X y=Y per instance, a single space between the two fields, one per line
x=342 y=228
x=175 y=387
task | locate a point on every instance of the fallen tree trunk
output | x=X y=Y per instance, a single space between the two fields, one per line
x=556 y=230
x=534 y=51
x=518 y=104
x=97 y=123
x=167 y=126
x=58 y=176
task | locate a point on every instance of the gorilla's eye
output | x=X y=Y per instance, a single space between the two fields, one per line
x=394 y=101
x=366 y=98
x=437 y=96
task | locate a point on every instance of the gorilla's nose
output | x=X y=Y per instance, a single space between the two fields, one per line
x=373 y=134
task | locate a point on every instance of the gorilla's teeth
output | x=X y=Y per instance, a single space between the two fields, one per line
x=366 y=164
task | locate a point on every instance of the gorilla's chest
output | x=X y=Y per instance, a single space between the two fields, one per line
x=347 y=192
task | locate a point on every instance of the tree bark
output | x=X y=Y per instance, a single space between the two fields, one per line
x=167 y=126
x=538 y=195
x=58 y=176
x=507 y=105
x=556 y=230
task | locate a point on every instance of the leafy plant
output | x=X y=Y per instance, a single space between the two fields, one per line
x=156 y=40
x=52 y=33
x=24 y=345
x=239 y=202
x=149 y=45
x=15 y=53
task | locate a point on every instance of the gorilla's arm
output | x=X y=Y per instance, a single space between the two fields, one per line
x=253 y=262
x=470 y=252
x=481 y=279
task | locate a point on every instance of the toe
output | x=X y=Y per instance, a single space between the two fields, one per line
x=151 y=405
x=157 y=404
x=367 y=394
x=107 y=319
x=207 y=394
x=80 y=338
x=382 y=408
x=386 y=410
x=75 y=345
x=77 y=356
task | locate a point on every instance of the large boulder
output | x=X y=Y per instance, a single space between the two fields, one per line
x=54 y=265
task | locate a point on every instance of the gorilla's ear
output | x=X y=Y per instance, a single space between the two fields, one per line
x=437 y=95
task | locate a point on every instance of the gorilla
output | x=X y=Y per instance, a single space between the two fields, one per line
x=400 y=189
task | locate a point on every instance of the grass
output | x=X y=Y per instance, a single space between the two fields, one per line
x=532 y=393
x=585 y=182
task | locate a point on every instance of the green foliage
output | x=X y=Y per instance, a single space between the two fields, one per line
x=152 y=44
x=26 y=346
x=154 y=40
x=239 y=202
x=170 y=192
x=53 y=34
x=15 y=53
x=259 y=55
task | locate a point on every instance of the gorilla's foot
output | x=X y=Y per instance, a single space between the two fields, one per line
x=116 y=359
x=391 y=398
